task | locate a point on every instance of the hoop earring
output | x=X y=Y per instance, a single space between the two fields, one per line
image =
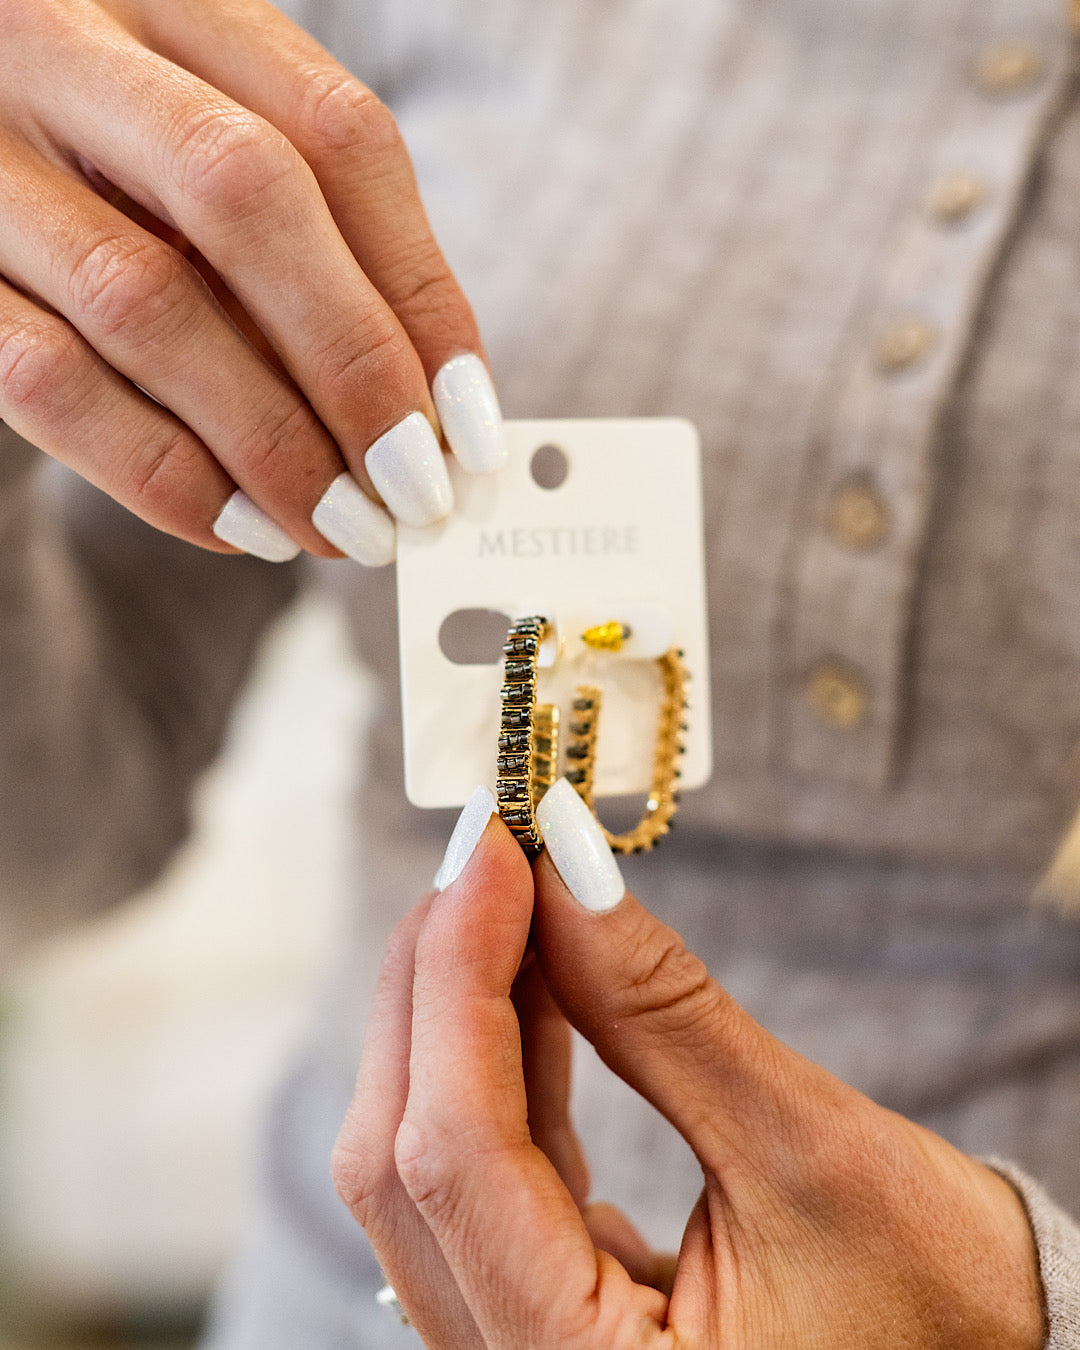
x=663 y=799
x=528 y=735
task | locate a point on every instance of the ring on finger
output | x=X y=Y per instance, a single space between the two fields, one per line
x=386 y=1298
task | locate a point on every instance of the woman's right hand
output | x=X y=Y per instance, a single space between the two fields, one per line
x=825 y=1222
x=198 y=202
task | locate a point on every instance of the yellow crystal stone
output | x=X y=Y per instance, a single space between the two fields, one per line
x=606 y=637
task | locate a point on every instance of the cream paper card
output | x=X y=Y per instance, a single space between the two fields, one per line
x=620 y=539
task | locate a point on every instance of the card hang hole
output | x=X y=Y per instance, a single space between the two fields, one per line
x=473 y=637
x=549 y=467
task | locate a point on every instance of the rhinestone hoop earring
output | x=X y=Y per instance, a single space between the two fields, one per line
x=663 y=799
x=528 y=735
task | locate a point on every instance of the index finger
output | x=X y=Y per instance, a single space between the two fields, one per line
x=363 y=1164
x=350 y=140
x=509 y=1229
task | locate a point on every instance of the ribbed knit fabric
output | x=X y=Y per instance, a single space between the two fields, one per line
x=1058 y=1240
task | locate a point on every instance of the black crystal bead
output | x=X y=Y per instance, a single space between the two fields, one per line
x=512 y=763
x=516 y=671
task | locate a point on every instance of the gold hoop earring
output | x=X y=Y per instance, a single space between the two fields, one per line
x=528 y=735
x=663 y=799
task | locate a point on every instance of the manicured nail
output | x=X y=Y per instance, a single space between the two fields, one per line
x=471 y=824
x=243 y=525
x=469 y=412
x=351 y=521
x=407 y=468
x=578 y=848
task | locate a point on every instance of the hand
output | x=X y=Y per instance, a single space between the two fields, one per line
x=825 y=1221
x=196 y=201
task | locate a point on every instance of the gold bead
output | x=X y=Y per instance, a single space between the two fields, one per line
x=837 y=696
x=955 y=196
x=903 y=345
x=1008 y=67
x=606 y=637
x=858 y=518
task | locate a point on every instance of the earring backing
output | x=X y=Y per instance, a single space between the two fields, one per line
x=663 y=799
x=528 y=735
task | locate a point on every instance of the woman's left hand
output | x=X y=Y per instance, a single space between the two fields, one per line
x=825 y=1220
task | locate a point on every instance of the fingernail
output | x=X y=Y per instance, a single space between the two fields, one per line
x=406 y=466
x=469 y=412
x=351 y=521
x=243 y=525
x=578 y=849
x=471 y=824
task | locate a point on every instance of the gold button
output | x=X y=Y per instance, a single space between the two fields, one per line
x=955 y=195
x=858 y=518
x=902 y=345
x=837 y=695
x=1008 y=67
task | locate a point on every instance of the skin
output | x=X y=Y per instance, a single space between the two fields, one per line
x=824 y=1220
x=199 y=202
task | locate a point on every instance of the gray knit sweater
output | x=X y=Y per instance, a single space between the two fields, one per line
x=840 y=235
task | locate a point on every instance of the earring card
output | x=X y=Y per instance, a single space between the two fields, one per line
x=617 y=540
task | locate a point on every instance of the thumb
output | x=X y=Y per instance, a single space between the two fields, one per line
x=629 y=985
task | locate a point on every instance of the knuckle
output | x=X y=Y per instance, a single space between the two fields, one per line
x=668 y=987
x=230 y=160
x=42 y=361
x=423 y=1167
x=158 y=473
x=120 y=283
x=358 y=1180
x=272 y=442
x=362 y=363
x=339 y=114
x=423 y=288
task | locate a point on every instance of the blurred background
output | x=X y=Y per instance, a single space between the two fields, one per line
x=136 y=1051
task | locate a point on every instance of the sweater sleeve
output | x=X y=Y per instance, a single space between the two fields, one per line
x=1057 y=1240
x=120 y=652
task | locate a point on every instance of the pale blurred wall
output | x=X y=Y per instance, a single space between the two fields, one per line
x=134 y=1053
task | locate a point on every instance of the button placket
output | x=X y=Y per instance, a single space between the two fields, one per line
x=856 y=579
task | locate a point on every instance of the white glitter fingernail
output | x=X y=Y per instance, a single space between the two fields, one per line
x=407 y=467
x=243 y=525
x=351 y=521
x=468 y=409
x=471 y=824
x=578 y=849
